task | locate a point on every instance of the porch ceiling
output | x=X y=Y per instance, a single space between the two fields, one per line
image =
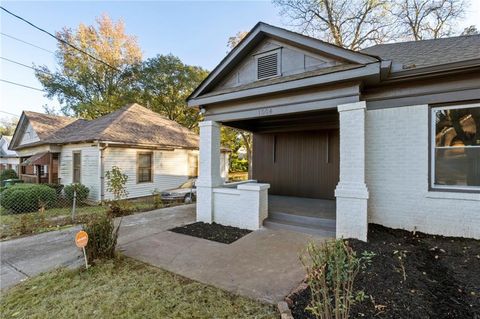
x=305 y=121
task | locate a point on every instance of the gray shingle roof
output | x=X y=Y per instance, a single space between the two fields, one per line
x=132 y=124
x=419 y=54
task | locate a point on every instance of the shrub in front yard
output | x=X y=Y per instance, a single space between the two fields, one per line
x=57 y=187
x=331 y=270
x=117 y=185
x=102 y=237
x=22 y=198
x=8 y=174
x=82 y=192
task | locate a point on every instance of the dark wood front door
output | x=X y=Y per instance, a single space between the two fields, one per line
x=303 y=164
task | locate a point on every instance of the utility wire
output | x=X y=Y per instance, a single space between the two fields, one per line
x=58 y=39
x=24 y=65
x=22 y=85
x=28 y=43
x=9 y=113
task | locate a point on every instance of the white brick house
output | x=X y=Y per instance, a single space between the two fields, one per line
x=385 y=135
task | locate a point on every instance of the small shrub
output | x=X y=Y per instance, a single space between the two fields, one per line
x=116 y=183
x=238 y=165
x=157 y=199
x=102 y=237
x=118 y=208
x=22 y=198
x=82 y=192
x=331 y=271
x=57 y=187
x=8 y=174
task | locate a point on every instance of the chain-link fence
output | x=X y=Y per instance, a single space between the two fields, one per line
x=31 y=208
x=27 y=198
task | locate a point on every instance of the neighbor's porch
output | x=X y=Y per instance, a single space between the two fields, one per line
x=40 y=168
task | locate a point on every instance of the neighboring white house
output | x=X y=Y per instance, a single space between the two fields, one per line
x=387 y=135
x=8 y=158
x=153 y=151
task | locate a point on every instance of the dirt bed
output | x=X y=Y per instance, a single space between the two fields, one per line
x=437 y=277
x=213 y=231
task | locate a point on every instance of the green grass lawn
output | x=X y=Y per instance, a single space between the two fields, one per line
x=124 y=288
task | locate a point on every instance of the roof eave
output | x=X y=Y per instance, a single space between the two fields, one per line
x=435 y=70
x=371 y=70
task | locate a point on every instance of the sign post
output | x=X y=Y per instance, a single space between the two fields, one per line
x=81 y=240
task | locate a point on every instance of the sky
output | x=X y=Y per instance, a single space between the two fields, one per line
x=195 y=31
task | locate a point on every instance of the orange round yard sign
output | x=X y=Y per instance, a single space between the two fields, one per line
x=81 y=239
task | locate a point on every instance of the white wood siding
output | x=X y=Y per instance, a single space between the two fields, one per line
x=29 y=135
x=89 y=167
x=170 y=169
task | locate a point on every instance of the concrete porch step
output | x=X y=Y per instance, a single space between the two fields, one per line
x=302 y=219
x=319 y=230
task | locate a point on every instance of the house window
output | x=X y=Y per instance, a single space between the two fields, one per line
x=77 y=166
x=144 y=167
x=268 y=64
x=456 y=147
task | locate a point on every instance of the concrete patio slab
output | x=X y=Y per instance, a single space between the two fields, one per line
x=263 y=265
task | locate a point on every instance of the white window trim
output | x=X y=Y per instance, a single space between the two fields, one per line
x=73 y=166
x=433 y=132
x=278 y=51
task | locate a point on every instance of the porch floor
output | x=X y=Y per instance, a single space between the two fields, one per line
x=310 y=207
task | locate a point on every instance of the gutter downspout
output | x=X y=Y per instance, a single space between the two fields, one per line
x=101 y=171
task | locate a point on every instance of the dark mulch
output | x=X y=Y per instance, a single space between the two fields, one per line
x=216 y=232
x=442 y=277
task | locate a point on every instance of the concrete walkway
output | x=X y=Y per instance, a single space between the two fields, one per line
x=262 y=265
x=25 y=257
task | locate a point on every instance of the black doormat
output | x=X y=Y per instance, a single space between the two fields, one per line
x=216 y=232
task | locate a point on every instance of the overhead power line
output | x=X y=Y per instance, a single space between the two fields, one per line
x=58 y=39
x=9 y=113
x=24 y=65
x=22 y=85
x=28 y=43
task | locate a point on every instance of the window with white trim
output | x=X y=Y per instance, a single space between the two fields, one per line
x=455 y=152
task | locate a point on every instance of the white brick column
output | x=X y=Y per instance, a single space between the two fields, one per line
x=209 y=169
x=351 y=191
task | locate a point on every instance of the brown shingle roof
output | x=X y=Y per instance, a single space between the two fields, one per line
x=132 y=124
x=45 y=125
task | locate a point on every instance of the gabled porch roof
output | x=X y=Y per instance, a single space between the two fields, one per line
x=354 y=61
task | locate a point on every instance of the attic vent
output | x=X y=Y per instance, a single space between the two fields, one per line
x=268 y=65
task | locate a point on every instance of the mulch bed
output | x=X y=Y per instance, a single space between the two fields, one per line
x=442 y=277
x=216 y=232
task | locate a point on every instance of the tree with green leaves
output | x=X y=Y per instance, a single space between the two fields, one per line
x=87 y=87
x=166 y=84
